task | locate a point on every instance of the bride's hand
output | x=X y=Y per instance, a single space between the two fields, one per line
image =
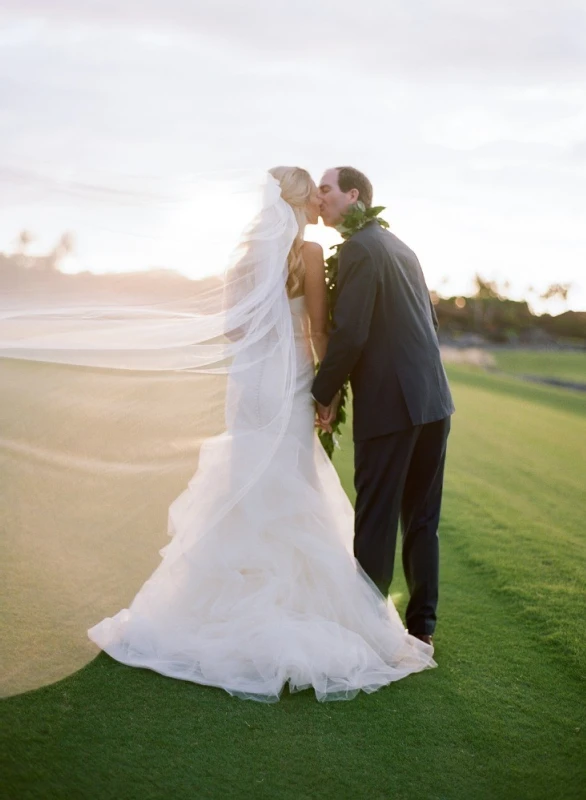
x=327 y=414
x=319 y=424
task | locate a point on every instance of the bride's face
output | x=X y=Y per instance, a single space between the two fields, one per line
x=312 y=208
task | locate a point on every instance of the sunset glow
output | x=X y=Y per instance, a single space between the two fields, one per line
x=476 y=147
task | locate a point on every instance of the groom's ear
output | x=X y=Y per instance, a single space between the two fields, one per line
x=353 y=194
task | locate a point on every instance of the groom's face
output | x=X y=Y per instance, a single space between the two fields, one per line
x=333 y=201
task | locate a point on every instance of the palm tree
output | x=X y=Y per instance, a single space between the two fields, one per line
x=559 y=290
x=484 y=296
x=64 y=246
x=23 y=240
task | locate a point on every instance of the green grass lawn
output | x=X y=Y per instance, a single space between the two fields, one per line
x=564 y=365
x=502 y=717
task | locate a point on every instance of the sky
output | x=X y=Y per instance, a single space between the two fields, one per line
x=120 y=121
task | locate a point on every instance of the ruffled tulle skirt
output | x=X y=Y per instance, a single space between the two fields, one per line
x=268 y=595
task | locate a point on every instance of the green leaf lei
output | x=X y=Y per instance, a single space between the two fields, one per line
x=353 y=221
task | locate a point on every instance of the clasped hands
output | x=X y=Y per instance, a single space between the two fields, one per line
x=325 y=415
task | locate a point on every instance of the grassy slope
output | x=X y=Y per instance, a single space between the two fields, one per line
x=500 y=718
x=567 y=366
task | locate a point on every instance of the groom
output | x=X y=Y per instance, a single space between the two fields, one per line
x=385 y=338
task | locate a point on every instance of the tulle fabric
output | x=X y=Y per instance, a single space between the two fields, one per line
x=269 y=593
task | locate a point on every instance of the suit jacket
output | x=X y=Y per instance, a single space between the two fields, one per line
x=385 y=338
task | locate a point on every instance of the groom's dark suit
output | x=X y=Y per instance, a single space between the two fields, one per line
x=384 y=337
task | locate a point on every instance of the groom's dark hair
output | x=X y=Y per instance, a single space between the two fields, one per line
x=350 y=178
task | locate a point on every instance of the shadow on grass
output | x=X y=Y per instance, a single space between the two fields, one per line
x=114 y=731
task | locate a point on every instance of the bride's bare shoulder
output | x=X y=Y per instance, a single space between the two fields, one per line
x=312 y=248
x=313 y=255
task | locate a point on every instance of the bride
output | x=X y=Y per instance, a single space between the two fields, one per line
x=269 y=593
x=258 y=587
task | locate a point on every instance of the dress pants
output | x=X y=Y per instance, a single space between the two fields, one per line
x=399 y=476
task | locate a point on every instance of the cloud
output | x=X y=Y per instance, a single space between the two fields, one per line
x=521 y=40
x=469 y=119
x=578 y=152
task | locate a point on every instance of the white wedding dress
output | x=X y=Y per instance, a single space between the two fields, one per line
x=270 y=593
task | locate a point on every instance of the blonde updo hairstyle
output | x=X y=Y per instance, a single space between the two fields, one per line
x=296 y=185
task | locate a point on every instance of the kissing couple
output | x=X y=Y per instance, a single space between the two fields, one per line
x=271 y=576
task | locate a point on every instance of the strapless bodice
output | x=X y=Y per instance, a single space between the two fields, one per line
x=299 y=317
x=297 y=304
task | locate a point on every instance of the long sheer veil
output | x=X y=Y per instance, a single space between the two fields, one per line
x=110 y=401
